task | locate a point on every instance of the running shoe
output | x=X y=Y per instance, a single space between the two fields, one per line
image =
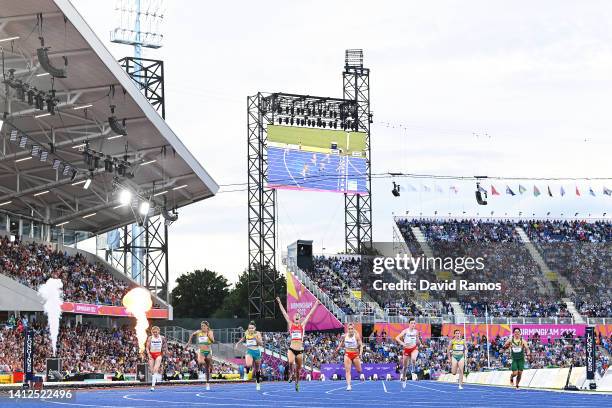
x=348 y=387
x=460 y=386
x=207 y=387
x=258 y=387
x=404 y=383
x=297 y=386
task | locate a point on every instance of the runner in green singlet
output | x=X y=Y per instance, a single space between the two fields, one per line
x=204 y=339
x=518 y=350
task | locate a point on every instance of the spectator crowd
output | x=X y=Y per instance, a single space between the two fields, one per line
x=86 y=349
x=33 y=263
x=579 y=251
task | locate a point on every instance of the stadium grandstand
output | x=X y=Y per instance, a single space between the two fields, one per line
x=531 y=257
x=83 y=150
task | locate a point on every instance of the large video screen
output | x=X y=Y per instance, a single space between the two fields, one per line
x=316 y=159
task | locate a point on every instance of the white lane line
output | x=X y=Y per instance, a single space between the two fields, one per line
x=427 y=388
x=78 y=404
x=384 y=387
x=342 y=388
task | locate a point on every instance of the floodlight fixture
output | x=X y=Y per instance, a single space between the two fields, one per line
x=125 y=197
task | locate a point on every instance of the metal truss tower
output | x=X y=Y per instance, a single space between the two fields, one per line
x=142 y=253
x=141 y=250
x=264 y=110
x=261 y=214
x=149 y=76
x=358 y=208
x=353 y=112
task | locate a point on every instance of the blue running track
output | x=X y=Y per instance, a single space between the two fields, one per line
x=328 y=394
x=299 y=169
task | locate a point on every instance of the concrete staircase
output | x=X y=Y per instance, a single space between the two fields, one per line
x=379 y=313
x=441 y=275
x=571 y=307
x=549 y=275
x=460 y=315
x=420 y=237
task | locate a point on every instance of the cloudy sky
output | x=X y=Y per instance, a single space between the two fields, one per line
x=462 y=88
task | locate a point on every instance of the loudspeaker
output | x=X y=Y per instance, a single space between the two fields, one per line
x=304 y=255
x=479 y=198
x=54 y=367
x=142 y=372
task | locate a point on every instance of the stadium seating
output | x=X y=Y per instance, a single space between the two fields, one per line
x=89 y=349
x=566 y=247
x=580 y=252
x=32 y=264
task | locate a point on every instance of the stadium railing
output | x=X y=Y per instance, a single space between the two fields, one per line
x=468 y=319
x=180 y=334
x=591 y=321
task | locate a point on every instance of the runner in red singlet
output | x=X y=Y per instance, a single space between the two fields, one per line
x=155 y=347
x=296 y=337
x=409 y=339
x=353 y=349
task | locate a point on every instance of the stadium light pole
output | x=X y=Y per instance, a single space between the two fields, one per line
x=488 y=343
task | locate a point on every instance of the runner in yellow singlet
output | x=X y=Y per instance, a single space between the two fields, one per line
x=457 y=356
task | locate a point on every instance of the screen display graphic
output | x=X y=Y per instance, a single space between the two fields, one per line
x=316 y=159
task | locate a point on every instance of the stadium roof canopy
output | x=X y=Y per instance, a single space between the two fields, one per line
x=92 y=73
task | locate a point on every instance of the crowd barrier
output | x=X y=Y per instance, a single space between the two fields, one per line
x=549 y=378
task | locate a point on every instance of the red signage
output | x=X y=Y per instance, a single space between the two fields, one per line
x=104 y=310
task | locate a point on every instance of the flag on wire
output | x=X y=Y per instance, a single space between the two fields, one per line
x=536 y=191
x=509 y=191
x=426 y=189
x=522 y=189
x=411 y=187
x=577 y=191
x=562 y=191
x=482 y=190
x=591 y=191
x=493 y=190
x=549 y=192
x=607 y=191
x=454 y=189
x=438 y=189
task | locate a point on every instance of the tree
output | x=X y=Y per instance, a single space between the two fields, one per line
x=236 y=304
x=199 y=293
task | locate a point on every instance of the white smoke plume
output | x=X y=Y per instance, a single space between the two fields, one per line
x=138 y=302
x=51 y=292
